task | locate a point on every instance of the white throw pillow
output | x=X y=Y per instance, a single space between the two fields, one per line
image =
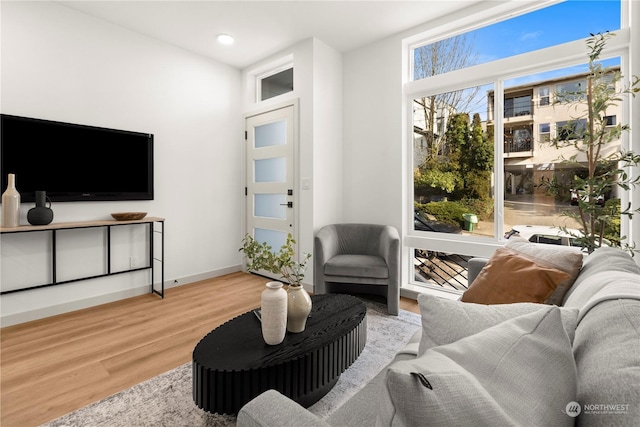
x=520 y=372
x=445 y=321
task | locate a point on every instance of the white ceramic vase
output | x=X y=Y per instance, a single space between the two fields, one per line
x=298 y=308
x=11 y=204
x=274 y=313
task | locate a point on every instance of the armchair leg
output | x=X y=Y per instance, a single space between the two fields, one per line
x=393 y=305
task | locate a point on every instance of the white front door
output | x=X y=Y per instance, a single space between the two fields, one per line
x=270 y=166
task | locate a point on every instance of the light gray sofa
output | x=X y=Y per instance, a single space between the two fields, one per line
x=601 y=316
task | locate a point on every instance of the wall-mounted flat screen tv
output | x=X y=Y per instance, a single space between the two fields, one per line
x=73 y=162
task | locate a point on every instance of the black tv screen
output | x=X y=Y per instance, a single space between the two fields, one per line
x=73 y=162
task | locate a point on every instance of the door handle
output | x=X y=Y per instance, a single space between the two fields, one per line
x=288 y=204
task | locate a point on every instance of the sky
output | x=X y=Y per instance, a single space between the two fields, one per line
x=564 y=22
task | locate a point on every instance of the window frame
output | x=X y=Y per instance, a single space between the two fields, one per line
x=268 y=70
x=261 y=77
x=567 y=98
x=546 y=135
x=496 y=73
x=565 y=129
x=544 y=99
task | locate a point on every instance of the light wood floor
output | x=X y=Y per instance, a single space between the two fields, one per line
x=53 y=366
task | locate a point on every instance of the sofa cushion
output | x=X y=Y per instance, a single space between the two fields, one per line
x=613 y=286
x=357 y=266
x=607 y=354
x=445 y=321
x=360 y=409
x=512 y=277
x=526 y=272
x=505 y=375
x=599 y=267
x=565 y=259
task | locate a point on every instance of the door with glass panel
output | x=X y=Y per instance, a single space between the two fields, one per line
x=270 y=191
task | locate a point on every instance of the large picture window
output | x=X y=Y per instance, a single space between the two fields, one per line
x=481 y=148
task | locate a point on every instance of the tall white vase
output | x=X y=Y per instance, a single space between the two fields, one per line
x=11 y=204
x=274 y=313
x=298 y=309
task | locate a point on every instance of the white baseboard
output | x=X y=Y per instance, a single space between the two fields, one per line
x=201 y=276
x=53 y=310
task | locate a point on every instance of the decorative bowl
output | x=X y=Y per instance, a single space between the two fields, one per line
x=128 y=216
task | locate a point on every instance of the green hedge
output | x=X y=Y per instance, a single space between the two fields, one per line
x=483 y=208
x=451 y=212
x=612 y=232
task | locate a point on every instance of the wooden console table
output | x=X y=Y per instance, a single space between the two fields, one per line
x=94 y=224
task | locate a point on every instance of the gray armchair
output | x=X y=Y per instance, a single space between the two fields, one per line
x=358 y=258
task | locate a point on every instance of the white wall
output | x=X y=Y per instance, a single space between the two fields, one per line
x=328 y=165
x=60 y=64
x=373 y=134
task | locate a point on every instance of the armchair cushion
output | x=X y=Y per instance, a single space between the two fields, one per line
x=357 y=266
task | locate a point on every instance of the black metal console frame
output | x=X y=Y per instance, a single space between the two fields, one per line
x=53 y=228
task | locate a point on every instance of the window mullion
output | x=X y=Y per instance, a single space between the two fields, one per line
x=498 y=163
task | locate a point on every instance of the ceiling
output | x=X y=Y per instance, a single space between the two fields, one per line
x=262 y=28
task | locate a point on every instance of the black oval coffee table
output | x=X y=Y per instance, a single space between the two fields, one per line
x=232 y=364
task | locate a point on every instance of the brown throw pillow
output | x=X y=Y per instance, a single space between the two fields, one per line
x=562 y=258
x=510 y=277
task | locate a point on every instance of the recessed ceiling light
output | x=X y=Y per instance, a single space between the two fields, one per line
x=225 y=39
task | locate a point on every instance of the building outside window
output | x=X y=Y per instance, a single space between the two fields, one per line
x=544 y=132
x=610 y=120
x=517 y=106
x=543 y=96
x=571 y=91
x=572 y=129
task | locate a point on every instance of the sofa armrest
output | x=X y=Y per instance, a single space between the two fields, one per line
x=276 y=410
x=474 y=267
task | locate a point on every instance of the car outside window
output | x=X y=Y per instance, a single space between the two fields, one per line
x=550 y=240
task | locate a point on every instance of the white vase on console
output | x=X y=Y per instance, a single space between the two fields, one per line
x=11 y=204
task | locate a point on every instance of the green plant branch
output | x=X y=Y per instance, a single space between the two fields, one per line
x=603 y=173
x=261 y=256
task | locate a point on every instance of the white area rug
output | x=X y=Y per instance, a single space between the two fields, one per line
x=166 y=400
